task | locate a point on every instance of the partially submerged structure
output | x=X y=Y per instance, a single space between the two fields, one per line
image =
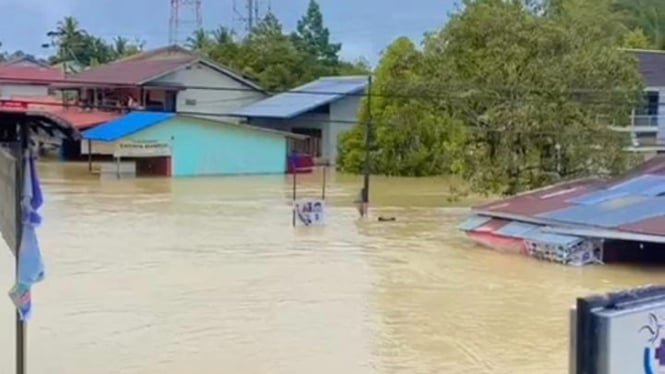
x=580 y=222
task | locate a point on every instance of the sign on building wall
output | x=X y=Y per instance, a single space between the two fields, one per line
x=142 y=149
x=311 y=212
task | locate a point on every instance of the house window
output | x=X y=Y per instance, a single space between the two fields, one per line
x=650 y=106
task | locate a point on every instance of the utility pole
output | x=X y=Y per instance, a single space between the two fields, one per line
x=368 y=143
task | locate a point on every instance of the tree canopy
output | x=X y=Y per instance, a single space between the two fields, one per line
x=507 y=95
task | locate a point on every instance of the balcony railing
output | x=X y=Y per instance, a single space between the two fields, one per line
x=639 y=120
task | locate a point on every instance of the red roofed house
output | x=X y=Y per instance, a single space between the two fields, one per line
x=169 y=79
x=26 y=76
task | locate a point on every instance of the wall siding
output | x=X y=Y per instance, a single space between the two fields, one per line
x=211 y=101
x=201 y=147
x=8 y=90
x=343 y=115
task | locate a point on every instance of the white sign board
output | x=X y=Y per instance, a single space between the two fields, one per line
x=142 y=149
x=632 y=340
x=310 y=212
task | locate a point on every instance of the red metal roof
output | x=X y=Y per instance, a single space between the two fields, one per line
x=131 y=72
x=653 y=226
x=541 y=201
x=30 y=74
x=74 y=116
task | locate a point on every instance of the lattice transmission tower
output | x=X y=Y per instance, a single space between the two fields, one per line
x=185 y=18
x=248 y=13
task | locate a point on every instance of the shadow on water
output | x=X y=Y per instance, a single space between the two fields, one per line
x=206 y=275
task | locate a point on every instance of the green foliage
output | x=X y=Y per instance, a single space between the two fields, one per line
x=313 y=38
x=646 y=15
x=636 y=39
x=507 y=94
x=74 y=44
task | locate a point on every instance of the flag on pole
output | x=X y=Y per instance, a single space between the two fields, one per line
x=30 y=263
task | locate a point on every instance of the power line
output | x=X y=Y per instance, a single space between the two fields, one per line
x=473 y=129
x=424 y=91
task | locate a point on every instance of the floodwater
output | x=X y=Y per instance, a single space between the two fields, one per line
x=207 y=276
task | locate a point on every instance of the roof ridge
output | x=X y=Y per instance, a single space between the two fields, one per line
x=658 y=51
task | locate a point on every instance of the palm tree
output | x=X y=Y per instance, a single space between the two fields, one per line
x=200 y=41
x=646 y=15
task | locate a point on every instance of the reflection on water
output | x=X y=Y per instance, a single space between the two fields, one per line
x=207 y=276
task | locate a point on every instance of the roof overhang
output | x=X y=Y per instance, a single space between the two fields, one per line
x=575 y=230
x=45 y=121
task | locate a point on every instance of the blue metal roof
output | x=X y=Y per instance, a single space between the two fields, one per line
x=541 y=236
x=473 y=222
x=126 y=125
x=305 y=98
x=516 y=229
x=612 y=213
x=640 y=184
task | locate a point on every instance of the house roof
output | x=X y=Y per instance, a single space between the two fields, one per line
x=136 y=121
x=126 y=125
x=631 y=204
x=651 y=65
x=305 y=98
x=148 y=66
x=29 y=74
x=24 y=61
x=51 y=106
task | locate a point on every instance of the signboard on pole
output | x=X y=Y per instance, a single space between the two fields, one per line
x=8 y=191
x=142 y=149
x=311 y=212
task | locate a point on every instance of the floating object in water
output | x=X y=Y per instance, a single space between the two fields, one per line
x=387 y=219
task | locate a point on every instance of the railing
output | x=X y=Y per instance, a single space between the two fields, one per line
x=639 y=120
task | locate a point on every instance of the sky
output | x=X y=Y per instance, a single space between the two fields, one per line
x=364 y=27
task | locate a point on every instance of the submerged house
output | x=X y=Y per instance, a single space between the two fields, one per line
x=580 y=222
x=321 y=110
x=27 y=77
x=170 y=144
x=170 y=79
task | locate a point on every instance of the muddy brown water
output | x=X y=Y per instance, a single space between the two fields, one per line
x=207 y=276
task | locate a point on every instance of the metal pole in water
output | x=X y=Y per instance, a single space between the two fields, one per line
x=368 y=142
x=293 y=218
x=20 y=171
x=323 y=188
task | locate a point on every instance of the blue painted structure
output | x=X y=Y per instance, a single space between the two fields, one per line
x=305 y=98
x=201 y=146
x=473 y=222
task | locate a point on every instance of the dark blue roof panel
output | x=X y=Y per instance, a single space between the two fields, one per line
x=304 y=98
x=126 y=125
x=473 y=222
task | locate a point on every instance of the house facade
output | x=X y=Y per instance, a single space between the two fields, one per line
x=170 y=79
x=321 y=110
x=169 y=144
x=27 y=77
x=647 y=127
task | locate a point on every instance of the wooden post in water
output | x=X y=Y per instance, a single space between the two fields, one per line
x=89 y=155
x=323 y=187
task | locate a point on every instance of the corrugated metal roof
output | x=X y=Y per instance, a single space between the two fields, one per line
x=610 y=214
x=639 y=184
x=597 y=197
x=305 y=98
x=541 y=236
x=653 y=225
x=30 y=74
x=126 y=125
x=473 y=222
x=516 y=229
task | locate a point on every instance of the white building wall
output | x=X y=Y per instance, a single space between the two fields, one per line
x=9 y=90
x=225 y=96
x=343 y=116
x=660 y=119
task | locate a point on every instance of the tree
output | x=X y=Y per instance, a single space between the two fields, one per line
x=412 y=137
x=270 y=56
x=647 y=15
x=636 y=39
x=313 y=38
x=122 y=47
x=535 y=96
x=200 y=41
